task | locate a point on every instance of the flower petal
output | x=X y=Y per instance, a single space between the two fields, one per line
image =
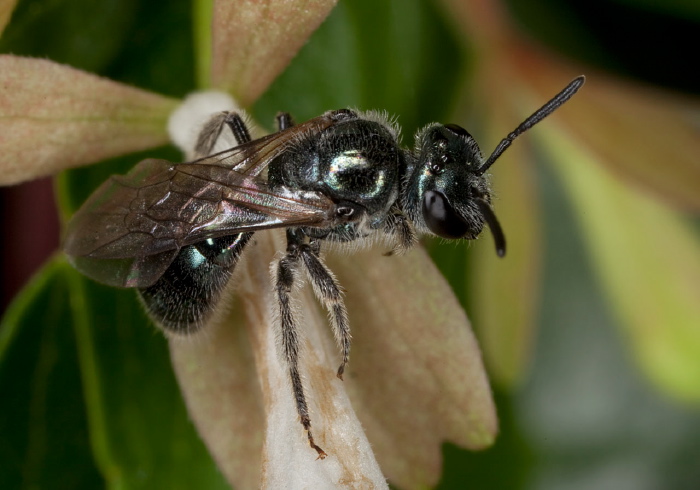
x=415 y=378
x=213 y=398
x=254 y=41
x=6 y=9
x=217 y=378
x=54 y=117
x=648 y=259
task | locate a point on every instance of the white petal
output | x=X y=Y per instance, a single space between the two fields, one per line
x=187 y=120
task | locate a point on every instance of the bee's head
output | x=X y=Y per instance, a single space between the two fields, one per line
x=447 y=193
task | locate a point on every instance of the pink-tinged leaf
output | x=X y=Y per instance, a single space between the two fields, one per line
x=54 y=117
x=415 y=378
x=253 y=41
x=506 y=290
x=648 y=259
x=214 y=367
x=647 y=136
x=6 y=9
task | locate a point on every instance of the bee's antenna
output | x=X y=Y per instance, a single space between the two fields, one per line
x=499 y=238
x=540 y=114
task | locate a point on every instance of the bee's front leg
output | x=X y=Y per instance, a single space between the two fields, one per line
x=399 y=226
x=211 y=131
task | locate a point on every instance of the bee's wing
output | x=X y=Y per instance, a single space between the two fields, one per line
x=132 y=227
x=129 y=231
x=253 y=157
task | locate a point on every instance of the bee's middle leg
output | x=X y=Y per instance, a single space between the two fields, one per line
x=328 y=292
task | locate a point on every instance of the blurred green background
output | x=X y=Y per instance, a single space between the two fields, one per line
x=88 y=399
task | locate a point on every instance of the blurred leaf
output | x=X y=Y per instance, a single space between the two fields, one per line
x=53 y=116
x=592 y=420
x=82 y=33
x=645 y=135
x=642 y=40
x=398 y=56
x=158 y=52
x=147 y=44
x=484 y=469
x=6 y=8
x=45 y=441
x=648 y=259
x=505 y=291
x=202 y=19
x=125 y=415
x=141 y=434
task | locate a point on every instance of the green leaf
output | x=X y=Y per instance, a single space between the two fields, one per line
x=141 y=433
x=82 y=33
x=648 y=260
x=202 y=11
x=158 y=53
x=45 y=441
x=91 y=389
x=398 y=56
x=504 y=292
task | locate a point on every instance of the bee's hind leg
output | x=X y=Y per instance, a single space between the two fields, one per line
x=286 y=276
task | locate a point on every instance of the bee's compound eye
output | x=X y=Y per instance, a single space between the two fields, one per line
x=458 y=130
x=441 y=218
x=342 y=115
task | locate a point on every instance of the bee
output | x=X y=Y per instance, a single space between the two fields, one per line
x=175 y=231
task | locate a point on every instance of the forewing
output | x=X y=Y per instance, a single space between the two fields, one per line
x=131 y=228
x=253 y=158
